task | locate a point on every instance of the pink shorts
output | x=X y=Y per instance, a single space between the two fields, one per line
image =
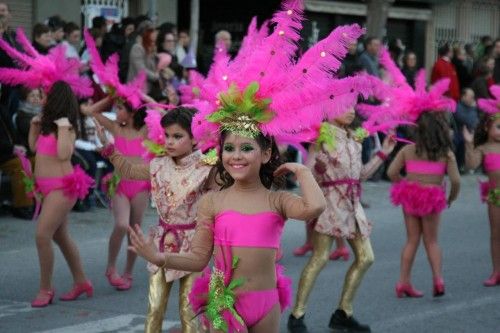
x=74 y=185
x=130 y=187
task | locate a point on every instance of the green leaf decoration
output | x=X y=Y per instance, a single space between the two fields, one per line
x=211 y=157
x=326 y=137
x=360 y=134
x=113 y=184
x=494 y=197
x=242 y=112
x=154 y=148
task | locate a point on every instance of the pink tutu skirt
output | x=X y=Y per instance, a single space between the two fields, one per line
x=74 y=185
x=417 y=199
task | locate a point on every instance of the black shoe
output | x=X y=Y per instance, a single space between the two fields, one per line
x=296 y=325
x=25 y=213
x=339 y=322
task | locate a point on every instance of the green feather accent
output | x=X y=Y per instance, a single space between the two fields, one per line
x=222 y=297
x=360 y=134
x=113 y=184
x=196 y=91
x=326 y=137
x=29 y=183
x=154 y=148
x=241 y=112
x=494 y=196
x=210 y=158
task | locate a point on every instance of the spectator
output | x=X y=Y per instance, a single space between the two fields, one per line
x=182 y=47
x=463 y=74
x=140 y=23
x=99 y=23
x=351 y=64
x=22 y=206
x=30 y=105
x=369 y=58
x=496 y=55
x=410 y=67
x=443 y=68
x=396 y=50
x=469 y=57
x=97 y=37
x=142 y=58
x=484 y=79
x=72 y=39
x=486 y=41
x=42 y=38
x=56 y=25
x=224 y=37
x=466 y=115
x=127 y=26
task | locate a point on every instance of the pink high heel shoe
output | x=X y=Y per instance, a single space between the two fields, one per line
x=43 y=298
x=493 y=280
x=127 y=282
x=302 y=250
x=407 y=289
x=438 y=287
x=114 y=279
x=77 y=290
x=342 y=252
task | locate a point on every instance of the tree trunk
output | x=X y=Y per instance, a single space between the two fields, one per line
x=376 y=18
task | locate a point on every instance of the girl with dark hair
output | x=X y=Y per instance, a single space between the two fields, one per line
x=129 y=197
x=179 y=175
x=52 y=137
x=484 y=148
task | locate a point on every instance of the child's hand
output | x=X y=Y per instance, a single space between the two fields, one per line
x=144 y=247
x=36 y=120
x=389 y=144
x=101 y=133
x=468 y=136
x=289 y=168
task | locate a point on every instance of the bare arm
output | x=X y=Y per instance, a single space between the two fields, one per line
x=473 y=155
x=372 y=166
x=394 y=170
x=454 y=176
x=34 y=133
x=129 y=170
x=310 y=205
x=95 y=110
x=65 y=142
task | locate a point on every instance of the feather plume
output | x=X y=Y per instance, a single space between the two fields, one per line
x=491 y=105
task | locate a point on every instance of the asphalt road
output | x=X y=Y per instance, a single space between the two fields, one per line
x=466 y=307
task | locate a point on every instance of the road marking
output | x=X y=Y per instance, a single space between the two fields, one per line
x=129 y=323
x=12 y=308
x=404 y=320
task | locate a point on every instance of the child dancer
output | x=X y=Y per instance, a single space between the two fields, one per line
x=178 y=180
x=421 y=194
x=339 y=171
x=131 y=196
x=52 y=138
x=484 y=147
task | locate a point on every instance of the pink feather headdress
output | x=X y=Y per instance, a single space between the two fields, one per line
x=265 y=89
x=108 y=75
x=400 y=103
x=42 y=71
x=491 y=105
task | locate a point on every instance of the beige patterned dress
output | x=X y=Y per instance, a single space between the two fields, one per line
x=339 y=172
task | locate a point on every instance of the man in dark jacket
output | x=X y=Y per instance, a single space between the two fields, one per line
x=22 y=206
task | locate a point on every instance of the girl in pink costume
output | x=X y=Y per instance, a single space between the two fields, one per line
x=484 y=147
x=131 y=197
x=52 y=138
x=422 y=192
x=179 y=176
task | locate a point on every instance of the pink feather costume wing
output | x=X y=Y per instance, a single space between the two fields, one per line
x=491 y=105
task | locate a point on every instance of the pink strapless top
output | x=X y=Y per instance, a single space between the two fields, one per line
x=262 y=229
x=46 y=145
x=426 y=167
x=129 y=147
x=491 y=162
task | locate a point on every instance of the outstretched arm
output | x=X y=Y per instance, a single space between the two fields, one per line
x=473 y=156
x=394 y=170
x=454 y=176
x=310 y=205
x=125 y=168
x=372 y=166
x=95 y=110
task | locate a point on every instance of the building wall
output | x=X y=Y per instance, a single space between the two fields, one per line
x=22 y=14
x=69 y=11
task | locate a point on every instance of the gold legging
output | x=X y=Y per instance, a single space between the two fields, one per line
x=322 y=244
x=159 y=291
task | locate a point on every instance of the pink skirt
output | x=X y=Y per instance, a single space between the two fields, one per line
x=417 y=199
x=74 y=185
